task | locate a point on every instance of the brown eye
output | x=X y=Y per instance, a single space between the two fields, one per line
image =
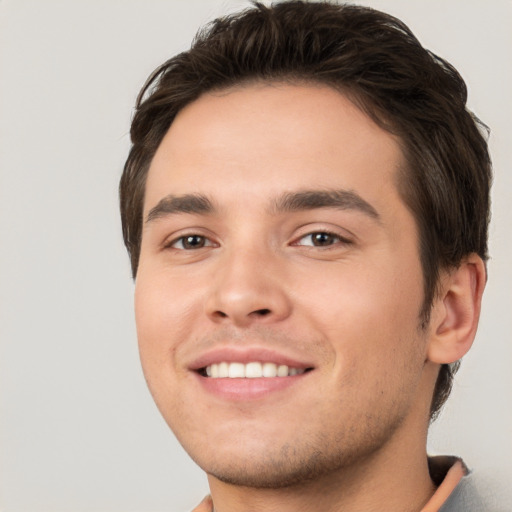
x=191 y=242
x=320 y=239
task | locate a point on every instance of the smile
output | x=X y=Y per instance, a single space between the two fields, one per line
x=251 y=370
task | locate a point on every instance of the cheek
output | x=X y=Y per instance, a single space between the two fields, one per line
x=157 y=311
x=363 y=295
x=370 y=316
x=162 y=306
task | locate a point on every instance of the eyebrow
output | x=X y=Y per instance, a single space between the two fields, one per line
x=313 y=199
x=188 y=203
x=289 y=202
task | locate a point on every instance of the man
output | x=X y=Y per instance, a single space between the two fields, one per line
x=305 y=205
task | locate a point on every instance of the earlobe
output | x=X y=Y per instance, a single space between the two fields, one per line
x=456 y=311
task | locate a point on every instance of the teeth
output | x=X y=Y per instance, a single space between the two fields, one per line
x=251 y=370
x=223 y=370
x=282 y=370
x=236 y=370
x=269 y=370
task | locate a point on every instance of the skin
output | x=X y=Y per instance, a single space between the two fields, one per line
x=256 y=279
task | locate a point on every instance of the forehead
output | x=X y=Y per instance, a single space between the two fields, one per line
x=261 y=139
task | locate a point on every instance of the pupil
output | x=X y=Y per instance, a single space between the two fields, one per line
x=194 y=241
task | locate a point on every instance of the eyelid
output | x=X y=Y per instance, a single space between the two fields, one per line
x=345 y=237
x=339 y=240
x=180 y=236
x=181 y=239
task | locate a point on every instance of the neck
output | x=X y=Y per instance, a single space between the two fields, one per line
x=393 y=479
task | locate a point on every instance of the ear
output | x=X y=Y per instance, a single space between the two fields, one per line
x=456 y=311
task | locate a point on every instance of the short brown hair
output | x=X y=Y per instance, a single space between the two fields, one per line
x=376 y=61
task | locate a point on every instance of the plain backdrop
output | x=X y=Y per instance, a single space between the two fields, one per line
x=79 y=431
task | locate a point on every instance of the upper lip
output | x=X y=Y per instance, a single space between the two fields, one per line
x=247 y=355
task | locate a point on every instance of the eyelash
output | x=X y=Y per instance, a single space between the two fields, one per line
x=206 y=242
x=338 y=239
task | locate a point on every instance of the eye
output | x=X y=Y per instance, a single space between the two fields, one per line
x=190 y=242
x=321 y=239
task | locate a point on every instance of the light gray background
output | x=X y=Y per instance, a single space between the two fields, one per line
x=79 y=431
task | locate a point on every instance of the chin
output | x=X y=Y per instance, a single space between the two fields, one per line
x=270 y=474
x=288 y=466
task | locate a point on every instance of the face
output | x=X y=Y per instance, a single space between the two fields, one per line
x=280 y=285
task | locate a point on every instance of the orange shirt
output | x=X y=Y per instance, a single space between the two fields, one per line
x=450 y=481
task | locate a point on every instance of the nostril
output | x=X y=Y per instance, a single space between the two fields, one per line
x=262 y=312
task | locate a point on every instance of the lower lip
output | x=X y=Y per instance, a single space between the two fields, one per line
x=248 y=389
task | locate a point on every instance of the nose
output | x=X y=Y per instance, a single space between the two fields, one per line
x=247 y=288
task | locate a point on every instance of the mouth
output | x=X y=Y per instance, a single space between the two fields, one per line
x=249 y=374
x=250 y=370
